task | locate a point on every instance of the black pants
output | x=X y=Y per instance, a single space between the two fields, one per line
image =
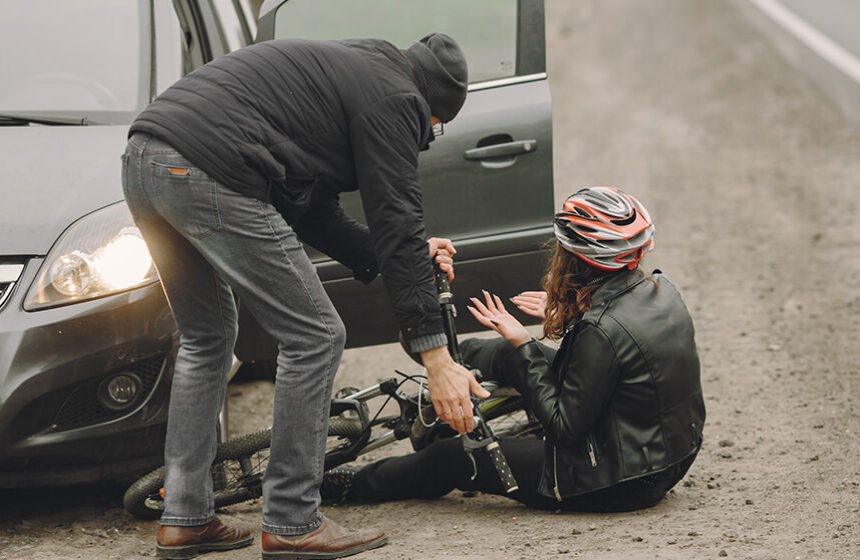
x=444 y=466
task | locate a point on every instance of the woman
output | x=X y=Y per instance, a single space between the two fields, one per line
x=620 y=401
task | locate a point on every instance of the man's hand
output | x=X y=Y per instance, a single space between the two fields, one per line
x=531 y=303
x=442 y=251
x=450 y=384
x=493 y=315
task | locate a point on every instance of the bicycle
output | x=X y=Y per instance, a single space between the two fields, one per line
x=240 y=462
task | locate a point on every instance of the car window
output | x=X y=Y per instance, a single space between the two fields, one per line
x=172 y=60
x=234 y=27
x=78 y=58
x=485 y=29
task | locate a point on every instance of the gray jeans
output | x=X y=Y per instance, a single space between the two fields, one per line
x=206 y=240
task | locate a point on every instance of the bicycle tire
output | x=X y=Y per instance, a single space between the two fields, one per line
x=137 y=500
x=234 y=482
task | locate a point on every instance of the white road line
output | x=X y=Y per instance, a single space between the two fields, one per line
x=812 y=38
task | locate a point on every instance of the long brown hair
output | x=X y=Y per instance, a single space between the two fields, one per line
x=569 y=283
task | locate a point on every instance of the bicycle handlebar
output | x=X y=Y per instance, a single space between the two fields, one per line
x=482 y=435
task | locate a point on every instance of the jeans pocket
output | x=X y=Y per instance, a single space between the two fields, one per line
x=187 y=197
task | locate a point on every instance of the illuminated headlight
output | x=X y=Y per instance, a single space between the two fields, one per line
x=101 y=254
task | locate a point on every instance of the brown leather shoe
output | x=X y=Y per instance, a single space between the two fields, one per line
x=329 y=540
x=179 y=543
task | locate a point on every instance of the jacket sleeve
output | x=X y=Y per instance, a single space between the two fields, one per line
x=327 y=228
x=385 y=141
x=568 y=403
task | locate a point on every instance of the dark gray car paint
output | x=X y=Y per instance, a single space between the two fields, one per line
x=52 y=176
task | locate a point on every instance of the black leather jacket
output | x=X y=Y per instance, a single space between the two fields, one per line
x=622 y=398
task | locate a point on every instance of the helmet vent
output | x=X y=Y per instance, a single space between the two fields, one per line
x=626 y=221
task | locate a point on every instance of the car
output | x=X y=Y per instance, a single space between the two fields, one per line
x=87 y=341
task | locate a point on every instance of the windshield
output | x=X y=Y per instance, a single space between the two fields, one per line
x=75 y=59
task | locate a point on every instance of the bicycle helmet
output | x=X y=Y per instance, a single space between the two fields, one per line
x=605 y=227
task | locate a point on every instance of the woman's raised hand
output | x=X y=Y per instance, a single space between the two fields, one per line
x=531 y=303
x=492 y=314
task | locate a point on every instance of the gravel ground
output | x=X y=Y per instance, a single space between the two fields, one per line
x=752 y=178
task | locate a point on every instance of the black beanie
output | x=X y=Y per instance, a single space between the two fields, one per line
x=441 y=73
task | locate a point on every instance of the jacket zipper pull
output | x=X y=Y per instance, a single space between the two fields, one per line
x=555 y=473
x=592 y=455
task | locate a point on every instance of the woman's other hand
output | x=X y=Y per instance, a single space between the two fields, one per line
x=531 y=303
x=492 y=314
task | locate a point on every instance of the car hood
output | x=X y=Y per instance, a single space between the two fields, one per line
x=52 y=175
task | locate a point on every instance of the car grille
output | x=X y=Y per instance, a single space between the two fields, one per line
x=82 y=406
x=10 y=272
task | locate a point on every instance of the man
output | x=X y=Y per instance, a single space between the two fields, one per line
x=224 y=173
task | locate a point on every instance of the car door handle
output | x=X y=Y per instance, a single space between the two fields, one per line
x=501 y=150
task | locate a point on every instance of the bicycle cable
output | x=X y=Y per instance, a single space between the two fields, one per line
x=406 y=377
x=423 y=378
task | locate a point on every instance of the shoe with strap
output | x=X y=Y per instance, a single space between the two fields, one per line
x=180 y=543
x=329 y=540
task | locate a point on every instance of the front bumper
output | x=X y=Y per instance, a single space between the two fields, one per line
x=53 y=426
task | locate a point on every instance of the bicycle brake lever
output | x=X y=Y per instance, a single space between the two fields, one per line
x=471 y=443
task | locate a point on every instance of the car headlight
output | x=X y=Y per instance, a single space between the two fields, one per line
x=101 y=254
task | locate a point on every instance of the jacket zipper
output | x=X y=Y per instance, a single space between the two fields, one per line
x=555 y=473
x=591 y=454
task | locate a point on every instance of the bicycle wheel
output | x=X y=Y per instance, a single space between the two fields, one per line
x=237 y=475
x=237 y=472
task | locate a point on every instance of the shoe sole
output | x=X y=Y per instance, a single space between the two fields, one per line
x=193 y=550
x=326 y=555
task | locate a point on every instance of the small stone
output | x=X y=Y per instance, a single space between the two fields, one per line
x=637 y=539
x=672 y=541
x=815 y=458
x=592 y=527
x=726 y=443
x=725 y=455
x=576 y=532
x=564 y=551
x=723 y=553
x=748 y=502
x=692 y=534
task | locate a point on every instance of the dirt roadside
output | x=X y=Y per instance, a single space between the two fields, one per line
x=752 y=178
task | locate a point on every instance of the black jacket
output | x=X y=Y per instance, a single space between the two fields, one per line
x=622 y=398
x=295 y=123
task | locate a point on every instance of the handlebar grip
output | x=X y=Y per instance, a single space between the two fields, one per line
x=443 y=288
x=501 y=464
